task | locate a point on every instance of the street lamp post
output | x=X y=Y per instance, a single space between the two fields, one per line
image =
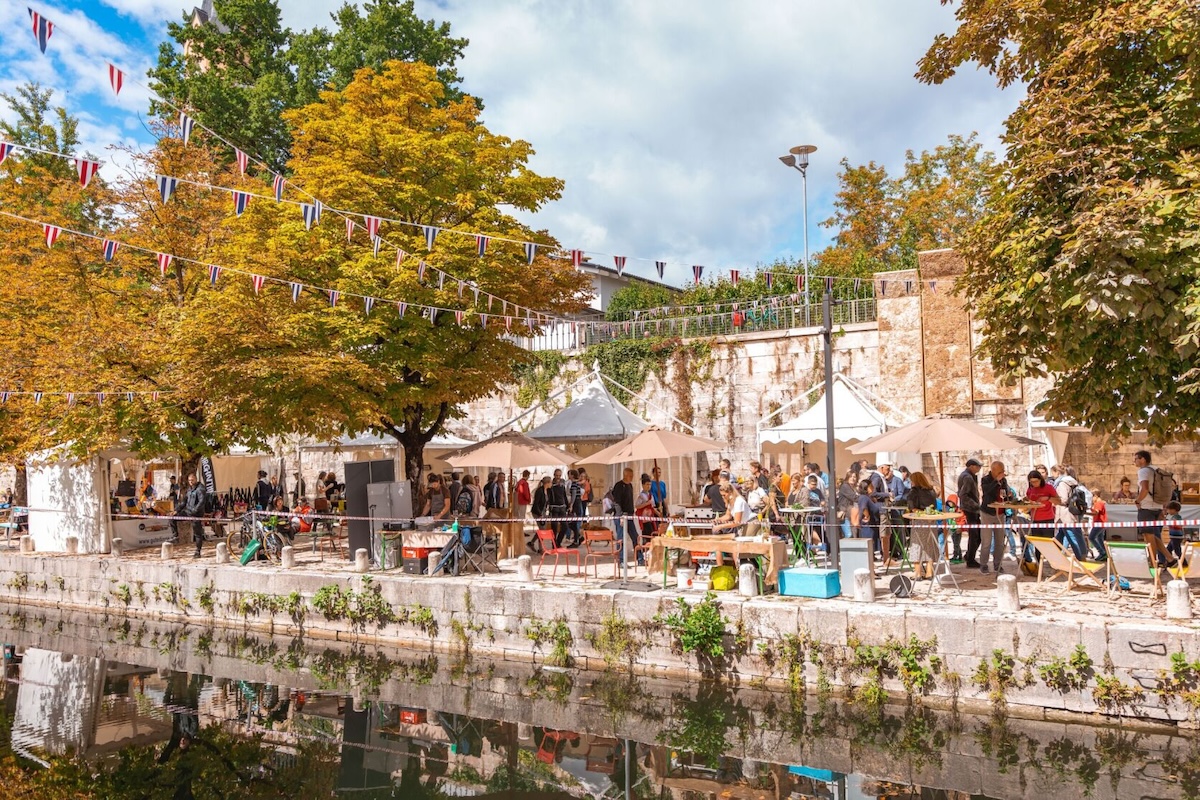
x=797 y=159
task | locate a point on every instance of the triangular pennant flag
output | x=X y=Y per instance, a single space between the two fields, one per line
x=619 y=261
x=508 y=323
x=799 y=283
x=530 y=251
x=42 y=28
x=296 y=289
x=461 y=285
x=243 y=160
x=333 y=297
x=770 y=279
x=70 y=399
x=733 y=276
x=829 y=284
x=933 y=287
x=110 y=249
x=100 y=398
x=166 y=187
x=129 y=397
x=483 y=318
x=576 y=258
x=430 y=236
x=186 y=124
x=661 y=266
x=154 y=396
x=309 y=212
x=5 y=149
x=481 y=243
x=319 y=206
x=441 y=279
x=883 y=288
x=458 y=316
x=51 y=232
x=37 y=397
x=857 y=284
x=908 y=287
x=240 y=201
x=376 y=241
x=87 y=170
x=278 y=183
x=368 y=304
x=116 y=79
x=432 y=314
x=400 y=255
x=475 y=291
x=372 y=224
x=421 y=271
x=349 y=229
x=257 y=282
x=697 y=271
x=402 y=307
x=164 y=262
x=214 y=272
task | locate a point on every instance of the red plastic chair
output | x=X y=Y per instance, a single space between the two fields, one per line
x=601 y=545
x=549 y=548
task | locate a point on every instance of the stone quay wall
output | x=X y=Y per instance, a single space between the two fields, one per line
x=1022 y=660
x=923 y=744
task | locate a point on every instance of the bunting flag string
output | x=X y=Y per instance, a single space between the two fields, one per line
x=73 y=398
x=186 y=124
x=87 y=170
x=116 y=79
x=5 y=149
x=43 y=29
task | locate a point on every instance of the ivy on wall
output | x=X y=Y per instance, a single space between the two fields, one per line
x=630 y=362
x=535 y=378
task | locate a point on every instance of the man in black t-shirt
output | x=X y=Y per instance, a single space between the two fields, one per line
x=622 y=494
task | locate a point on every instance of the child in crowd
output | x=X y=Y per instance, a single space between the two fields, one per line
x=1174 y=528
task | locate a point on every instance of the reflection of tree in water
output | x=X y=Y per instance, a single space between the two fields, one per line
x=699 y=726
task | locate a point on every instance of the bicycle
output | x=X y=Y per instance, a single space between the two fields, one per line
x=270 y=542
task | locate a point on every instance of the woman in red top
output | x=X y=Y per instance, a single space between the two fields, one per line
x=1041 y=492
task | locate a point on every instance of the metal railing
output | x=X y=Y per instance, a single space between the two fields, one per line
x=568 y=336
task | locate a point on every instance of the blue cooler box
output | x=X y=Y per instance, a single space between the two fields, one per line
x=809 y=582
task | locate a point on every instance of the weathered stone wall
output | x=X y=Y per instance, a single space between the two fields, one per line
x=495 y=619
x=1101 y=467
x=901 y=341
x=924 y=744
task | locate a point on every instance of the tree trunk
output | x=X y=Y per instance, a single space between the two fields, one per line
x=412 y=438
x=21 y=486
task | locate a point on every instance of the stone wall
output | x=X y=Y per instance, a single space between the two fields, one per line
x=925 y=744
x=1101 y=466
x=495 y=618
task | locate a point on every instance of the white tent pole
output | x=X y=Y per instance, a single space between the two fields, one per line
x=762 y=422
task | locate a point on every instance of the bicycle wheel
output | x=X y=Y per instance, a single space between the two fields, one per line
x=272 y=546
x=236 y=541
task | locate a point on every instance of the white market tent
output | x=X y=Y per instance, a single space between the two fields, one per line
x=594 y=415
x=855 y=417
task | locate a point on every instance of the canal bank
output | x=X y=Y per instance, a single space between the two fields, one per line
x=1049 y=658
x=688 y=727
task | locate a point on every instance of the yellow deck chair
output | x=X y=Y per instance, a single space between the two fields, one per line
x=1063 y=562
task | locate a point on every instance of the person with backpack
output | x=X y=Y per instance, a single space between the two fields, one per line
x=1155 y=488
x=1070 y=514
x=489 y=491
x=469 y=499
x=559 y=503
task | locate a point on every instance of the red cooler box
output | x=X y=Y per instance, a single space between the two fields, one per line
x=415 y=559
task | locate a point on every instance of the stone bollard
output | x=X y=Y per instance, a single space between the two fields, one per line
x=222 y=553
x=287 y=557
x=361 y=560
x=747 y=580
x=165 y=553
x=27 y=544
x=72 y=543
x=118 y=546
x=525 y=569
x=864 y=586
x=1179 y=600
x=1008 y=600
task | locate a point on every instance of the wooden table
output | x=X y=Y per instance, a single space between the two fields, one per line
x=774 y=550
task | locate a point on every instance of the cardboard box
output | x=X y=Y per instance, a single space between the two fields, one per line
x=809 y=582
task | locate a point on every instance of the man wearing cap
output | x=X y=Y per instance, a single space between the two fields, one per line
x=968 y=503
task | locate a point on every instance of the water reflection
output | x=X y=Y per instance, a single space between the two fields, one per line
x=361 y=724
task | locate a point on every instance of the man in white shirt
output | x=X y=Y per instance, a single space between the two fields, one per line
x=1147 y=509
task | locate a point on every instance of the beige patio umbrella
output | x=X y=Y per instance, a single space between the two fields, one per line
x=652 y=444
x=938 y=433
x=511 y=451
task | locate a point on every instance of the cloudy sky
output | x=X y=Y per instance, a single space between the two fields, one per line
x=664 y=117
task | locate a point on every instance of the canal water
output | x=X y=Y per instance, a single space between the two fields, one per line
x=106 y=708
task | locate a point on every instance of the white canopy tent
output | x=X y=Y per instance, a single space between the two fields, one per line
x=802 y=438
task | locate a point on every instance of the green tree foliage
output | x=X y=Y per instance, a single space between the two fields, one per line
x=237 y=76
x=1084 y=263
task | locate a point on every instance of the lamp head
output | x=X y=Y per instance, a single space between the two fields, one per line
x=788 y=160
x=801 y=152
